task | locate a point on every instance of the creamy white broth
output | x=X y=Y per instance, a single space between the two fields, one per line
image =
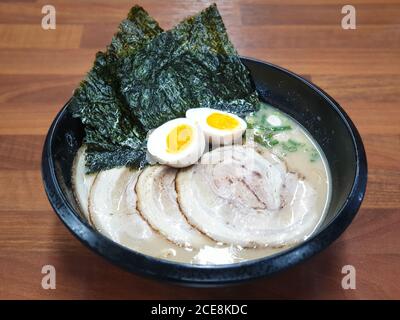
x=307 y=160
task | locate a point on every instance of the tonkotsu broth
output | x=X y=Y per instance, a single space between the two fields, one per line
x=301 y=154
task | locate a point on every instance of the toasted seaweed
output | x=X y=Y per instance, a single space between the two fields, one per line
x=193 y=65
x=98 y=160
x=113 y=134
x=147 y=77
x=133 y=32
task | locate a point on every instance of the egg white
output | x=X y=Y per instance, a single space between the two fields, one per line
x=157 y=144
x=213 y=135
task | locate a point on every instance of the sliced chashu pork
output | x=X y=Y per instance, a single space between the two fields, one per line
x=157 y=204
x=112 y=207
x=246 y=196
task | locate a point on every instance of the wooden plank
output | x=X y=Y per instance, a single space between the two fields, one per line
x=383 y=151
x=383 y=189
x=18 y=91
x=91 y=38
x=315 y=36
x=20 y=191
x=19 y=152
x=29 y=103
x=27 y=122
x=44 y=61
x=67 y=12
x=261 y=14
x=28 y=36
x=19 y=237
x=270 y=37
x=334 y=61
x=371 y=119
x=370 y=89
x=104 y=12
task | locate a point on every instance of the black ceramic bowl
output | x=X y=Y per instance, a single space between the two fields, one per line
x=313 y=108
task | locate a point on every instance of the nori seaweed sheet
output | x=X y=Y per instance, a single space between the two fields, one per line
x=147 y=77
x=137 y=29
x=193 y=65
x=113 y=135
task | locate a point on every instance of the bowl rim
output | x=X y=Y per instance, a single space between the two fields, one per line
x=208 y=275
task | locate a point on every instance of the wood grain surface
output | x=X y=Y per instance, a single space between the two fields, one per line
x=40 y=68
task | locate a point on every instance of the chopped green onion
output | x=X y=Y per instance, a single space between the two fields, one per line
x=291 y=145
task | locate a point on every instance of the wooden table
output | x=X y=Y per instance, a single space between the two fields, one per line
x=40 y=68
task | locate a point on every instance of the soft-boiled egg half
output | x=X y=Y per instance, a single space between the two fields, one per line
x=219 y=127
x=177 y=143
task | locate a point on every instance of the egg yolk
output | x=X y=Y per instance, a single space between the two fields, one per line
x=222 y=121
x=179 y=138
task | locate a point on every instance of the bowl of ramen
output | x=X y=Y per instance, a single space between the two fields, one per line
x=180 y=160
